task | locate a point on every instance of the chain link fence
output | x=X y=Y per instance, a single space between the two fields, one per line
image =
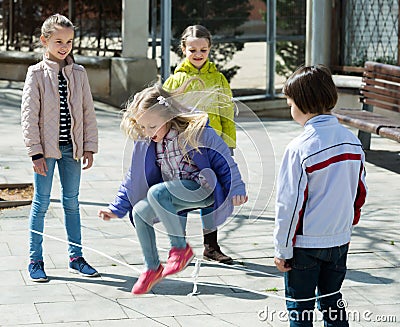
x=369 y=32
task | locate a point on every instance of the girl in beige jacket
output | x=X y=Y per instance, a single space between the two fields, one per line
x=59 y=127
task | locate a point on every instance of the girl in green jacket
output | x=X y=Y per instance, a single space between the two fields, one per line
x=196 y=45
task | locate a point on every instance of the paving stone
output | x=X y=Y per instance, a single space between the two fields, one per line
x=11 y=314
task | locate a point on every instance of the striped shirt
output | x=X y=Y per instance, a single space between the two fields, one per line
x=65 y=116
x=173 y=164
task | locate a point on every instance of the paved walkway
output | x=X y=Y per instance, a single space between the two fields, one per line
x=245 y=294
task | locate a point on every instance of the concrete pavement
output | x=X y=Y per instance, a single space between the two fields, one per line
x=248 y=293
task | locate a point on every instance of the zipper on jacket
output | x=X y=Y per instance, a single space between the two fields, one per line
x=72 y=118
x=59 y=114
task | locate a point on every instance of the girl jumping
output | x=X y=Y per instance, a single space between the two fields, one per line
x=184 y=165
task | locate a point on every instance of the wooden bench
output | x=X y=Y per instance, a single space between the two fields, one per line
x=380 y=89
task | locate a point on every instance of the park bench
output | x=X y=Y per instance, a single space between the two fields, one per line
x=380 y=98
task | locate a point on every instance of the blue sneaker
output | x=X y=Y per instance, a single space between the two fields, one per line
x=36 y=271
x=80 y=266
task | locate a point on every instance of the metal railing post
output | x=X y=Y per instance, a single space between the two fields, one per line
x=271 y=47
x=71 y=10
x=165 y=38
x=398 y=38
x=153 y=28
x=10 y=38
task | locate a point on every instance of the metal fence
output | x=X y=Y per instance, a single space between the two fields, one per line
x=98 y=24
x=233 y=24
x=369 y=32
x=274 y=28
x=364 y=29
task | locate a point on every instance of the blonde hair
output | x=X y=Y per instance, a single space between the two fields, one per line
x=49 y=25
x=185 y=120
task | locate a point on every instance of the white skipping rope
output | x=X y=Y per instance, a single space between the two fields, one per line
x=196 y=273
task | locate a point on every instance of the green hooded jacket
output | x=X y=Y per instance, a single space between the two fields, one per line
x=221 y=111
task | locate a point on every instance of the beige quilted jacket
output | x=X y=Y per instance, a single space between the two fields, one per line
x=40 y=109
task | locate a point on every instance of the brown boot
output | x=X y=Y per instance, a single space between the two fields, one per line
x=212 y=251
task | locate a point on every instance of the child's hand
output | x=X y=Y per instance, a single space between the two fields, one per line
x=106 y=214
x=203 y=182
x=282 y=265
x=208 y=179
x=39 y=166
x=87 y=160
x=238 y=200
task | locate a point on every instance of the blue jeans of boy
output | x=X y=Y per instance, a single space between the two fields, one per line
x=164 y=201
x=69 y=171
x=322 y=270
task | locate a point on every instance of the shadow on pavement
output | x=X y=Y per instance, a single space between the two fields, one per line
x=366 y=278
x=178 y=287
x=389 y=160
x=121 y=282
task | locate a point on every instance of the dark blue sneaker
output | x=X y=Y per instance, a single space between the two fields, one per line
x=80 y=266
x=36 y=271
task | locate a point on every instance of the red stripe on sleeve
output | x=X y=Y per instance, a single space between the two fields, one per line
x=360 y=198
x=338 y=158
x=299 y=226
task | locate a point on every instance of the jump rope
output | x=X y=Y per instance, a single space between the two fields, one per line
x=196 y=272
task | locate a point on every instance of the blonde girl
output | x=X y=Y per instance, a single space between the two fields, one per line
x=184 y=165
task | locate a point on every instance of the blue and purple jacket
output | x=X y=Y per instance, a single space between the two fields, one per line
x=214 y=154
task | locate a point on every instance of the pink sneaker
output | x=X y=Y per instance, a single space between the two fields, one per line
x=178 y=260
x=147 y=280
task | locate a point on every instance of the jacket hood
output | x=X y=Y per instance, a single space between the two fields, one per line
x=187 y=67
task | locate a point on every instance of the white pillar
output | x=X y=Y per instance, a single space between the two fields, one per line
x=135 y=22
x=318 y=30
x=133 y=71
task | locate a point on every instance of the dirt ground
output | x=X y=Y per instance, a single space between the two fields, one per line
x=15 y=194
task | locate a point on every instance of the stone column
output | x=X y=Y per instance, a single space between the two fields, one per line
x=133 y=71
x=135 y=22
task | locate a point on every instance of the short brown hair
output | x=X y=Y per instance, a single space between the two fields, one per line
x=312 y=89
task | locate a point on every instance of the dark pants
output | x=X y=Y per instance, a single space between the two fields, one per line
x=322 y=270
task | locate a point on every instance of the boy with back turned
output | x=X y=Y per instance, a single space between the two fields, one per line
x=320 y=191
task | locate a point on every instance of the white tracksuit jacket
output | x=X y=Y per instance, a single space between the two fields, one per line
x=320 y=188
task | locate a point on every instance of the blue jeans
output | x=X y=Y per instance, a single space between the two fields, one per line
x=321 y=269
x=164 y=201
x=69 y=171
x=206 y=216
